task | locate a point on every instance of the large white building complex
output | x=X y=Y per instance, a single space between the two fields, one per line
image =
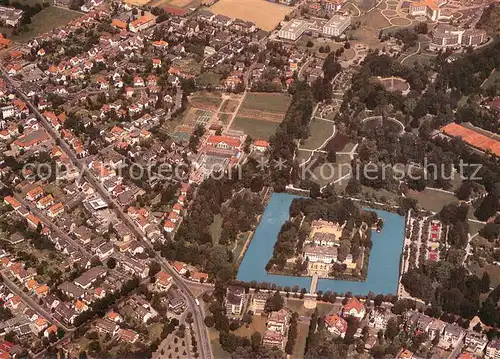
x=293 y=29
x=336 y=25
x=451 y=37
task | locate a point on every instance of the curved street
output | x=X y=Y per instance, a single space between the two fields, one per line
x=197 y=311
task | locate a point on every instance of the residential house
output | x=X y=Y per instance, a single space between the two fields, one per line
x=106 y=326
x=336 y=325
x=163 y=281
x=354 y=308
x=235 y=301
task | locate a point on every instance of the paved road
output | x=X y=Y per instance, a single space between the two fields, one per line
x=199 y=326
x=34 y=305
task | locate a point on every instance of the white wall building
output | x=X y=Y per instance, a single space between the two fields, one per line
x=293 y=29
x=336 y=25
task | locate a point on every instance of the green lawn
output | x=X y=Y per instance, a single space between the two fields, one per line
x=46 y=20
x=432 y=200
x=268 y=102
x=493 y=271
x=242 y=238
x=258 y=129
x=218 y=352
x=258 y=325
x=300 y=342
x=302 y=156
x=330 y=172
x=475 y=227
x=491 y=79
x=216 y=228
x=319 y=131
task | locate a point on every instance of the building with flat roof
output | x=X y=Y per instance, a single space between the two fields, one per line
x=293 y=29
x=10 y=16
x=336 y=25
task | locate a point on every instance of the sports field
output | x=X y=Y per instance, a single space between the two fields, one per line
x=273 y=103
x=257 y=129
x=261 y=113
x=264 y=14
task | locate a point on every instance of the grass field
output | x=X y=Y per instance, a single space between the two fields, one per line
x=302 y=156
x=300 y=342
x=331 y=172
x=242 y=238
x=264 y=14
x=258 y=129
x=218 y=352
x=267 y=102
x=474 y=227
x=216 y=229
x=258 y=325
x=493 y=271
x=320 y=131
x=432 y=200
x=374 y=20
x=208 y=78
x=423 y=58
x=46 y=20
x=260 y=114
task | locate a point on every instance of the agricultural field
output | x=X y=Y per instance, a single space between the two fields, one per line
x=205 y=100
x=264 y=14
x=229 y=106
x=260 y=114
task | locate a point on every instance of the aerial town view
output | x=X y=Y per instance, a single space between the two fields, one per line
x=239 y=179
